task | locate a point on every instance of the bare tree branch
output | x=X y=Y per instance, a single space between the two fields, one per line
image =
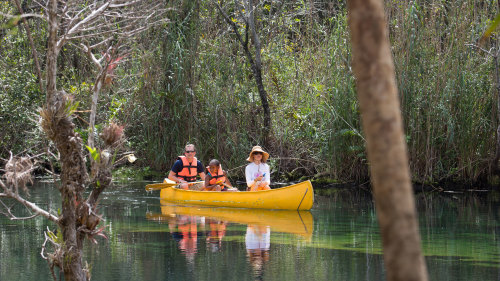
x=8 y=213
x=31 y=206
x=111 y=17
x=23 y=16
x=87 y=19
x=488 y=52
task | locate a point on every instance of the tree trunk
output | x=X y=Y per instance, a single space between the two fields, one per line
x=60 y=129
x=93 y=108
x=32 y=45
x=257 y=70
x=52 y=52
x=256 y=64
x=386 y=148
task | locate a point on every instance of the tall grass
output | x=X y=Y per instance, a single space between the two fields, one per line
x=445 y=87
x=189 y=81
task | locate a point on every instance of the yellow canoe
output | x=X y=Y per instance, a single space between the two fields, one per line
x=287 y=221
x=299 y=196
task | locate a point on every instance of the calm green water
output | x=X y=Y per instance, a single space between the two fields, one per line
x=338 y=240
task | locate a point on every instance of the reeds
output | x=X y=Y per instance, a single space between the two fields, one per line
x=192 y=83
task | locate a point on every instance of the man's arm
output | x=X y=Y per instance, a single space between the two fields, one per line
x=201 y=170
x=172 y=176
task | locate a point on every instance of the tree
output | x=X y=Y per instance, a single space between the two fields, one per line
x=248 y=20
x=99 y=23
x=387 y=153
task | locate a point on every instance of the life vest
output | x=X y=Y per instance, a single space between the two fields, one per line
x=189 y=170
x=219 y=177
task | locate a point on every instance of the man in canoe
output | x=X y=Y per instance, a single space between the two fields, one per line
x=257 y=173
x=216 y=178
x=186 y=168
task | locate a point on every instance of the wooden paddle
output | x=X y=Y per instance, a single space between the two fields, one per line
x=165 y=184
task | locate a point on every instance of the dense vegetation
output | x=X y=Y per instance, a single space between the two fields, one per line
x=190 y=81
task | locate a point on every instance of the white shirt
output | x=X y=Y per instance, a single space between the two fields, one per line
x=253 y=171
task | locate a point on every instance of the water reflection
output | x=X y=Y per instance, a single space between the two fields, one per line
x=460 y=238
x=258 y=241
x=184 y=230
x=217 y=230
x=188 y=223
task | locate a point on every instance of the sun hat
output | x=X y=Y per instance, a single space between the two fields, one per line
x=257 y=148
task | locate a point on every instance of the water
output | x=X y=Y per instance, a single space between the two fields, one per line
x=337 y=240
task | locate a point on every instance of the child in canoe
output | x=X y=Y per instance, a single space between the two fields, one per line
x=216 y=178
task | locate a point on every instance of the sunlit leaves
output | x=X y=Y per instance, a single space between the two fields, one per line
x=491 y=28
x=94 y=153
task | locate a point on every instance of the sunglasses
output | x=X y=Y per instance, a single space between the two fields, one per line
x=190 y=151
x=258 y=153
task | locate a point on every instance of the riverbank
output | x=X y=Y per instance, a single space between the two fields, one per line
x=138 y=174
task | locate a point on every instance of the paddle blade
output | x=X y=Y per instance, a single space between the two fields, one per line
x=158 y=186
x=167 y=183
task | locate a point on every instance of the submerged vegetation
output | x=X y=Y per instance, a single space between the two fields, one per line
x=190 y=81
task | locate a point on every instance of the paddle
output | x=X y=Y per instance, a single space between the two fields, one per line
x=165 y=184
x=231 y=188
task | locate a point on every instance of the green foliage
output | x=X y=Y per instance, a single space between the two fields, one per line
x=491 y=28
x=446 y=89
x=71 y=108
x=20 y=95
x=190 y=81
x=94 y=153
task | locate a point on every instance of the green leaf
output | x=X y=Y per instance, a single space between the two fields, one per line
x=11 y=23
x=346 y=133
x=94 y=153
x=71 y=107
x=491 y=28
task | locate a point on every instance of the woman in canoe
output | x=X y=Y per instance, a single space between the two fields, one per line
x=216 y=178
x=257 y=173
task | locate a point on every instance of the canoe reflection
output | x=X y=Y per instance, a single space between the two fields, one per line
x=185 y=223
x=295 y=222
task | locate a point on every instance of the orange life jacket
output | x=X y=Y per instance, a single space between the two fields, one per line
x=189 y=170
x=219 y=177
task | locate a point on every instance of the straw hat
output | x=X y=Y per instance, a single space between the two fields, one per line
x=257 y=148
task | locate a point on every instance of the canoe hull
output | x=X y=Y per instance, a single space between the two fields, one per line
x=299 y=196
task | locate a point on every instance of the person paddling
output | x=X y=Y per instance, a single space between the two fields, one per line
x=257 y=173
x=216 y=178
x=186 y=168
